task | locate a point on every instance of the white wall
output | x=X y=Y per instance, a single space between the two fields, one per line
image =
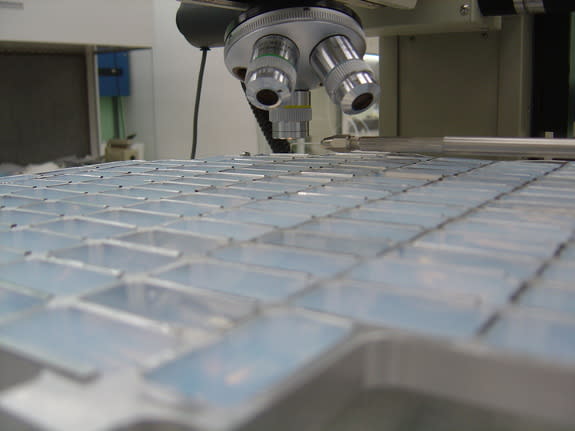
x=140 y=107
x=226 y=122
x=84 y=22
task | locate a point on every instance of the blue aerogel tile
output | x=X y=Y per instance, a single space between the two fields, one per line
x=121 y=181
x=84 y=228
x=128 y=169
x=373 y=163
x=34 y=241
x=221 y=229
x=164 y=164
x=295 y=259
x=47 y=193
x=445 y=197
x=271 y=186
x=53 y=278
x=346 y=189
x=307 y=180
x=207 y=182
x=421 y=208
x=11 y=188
x=12 y=302
x=160 y=164
x=396 y=310
x=381 y=182
x=484 y=243
x=325 y=242
x=134 y=180
x=178 y=172
x=542 y=201
x=104 y=200
x=387 y=216
x=362 y=230
x=318 y=198
x=63 y=208
x=250 y=170
x=333 y=173
x=172 y=306
x=270 y=170
x=488 y=286
x=20 y=179
x=462 y=190
x=242 y=192
x=8 y=201
x=20 y=217
x=560 y=272
x=250 y=360
x=176 y=208
x=482 y=182
x=518 y=267
x=363 y=191
x=178 y=187
x=552 y=339
x=230 y=176
x=215 y=168
x=552 y=299
x=7 y=256
x=307 y=162
x=80 y=178
x=568 y=253
x=117 y=257
x=52 y=336
x=263 y=285
x=37 y=182
x=506 y=216
x=187 y=244
x=414 y=173
x=151 y=178
x=209 y=199
x=516 y=232
x=547 y=193
x=133 y=217
x=247 y=215
x=15 y=179
x=84 y=187
x=288 y=207
x=523 y=168
x=144 y=193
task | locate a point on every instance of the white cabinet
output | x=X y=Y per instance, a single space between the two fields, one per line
x=127 y=23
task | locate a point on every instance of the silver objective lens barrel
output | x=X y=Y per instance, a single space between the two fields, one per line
x=348 y=79
x=271 y=75
x=291 y=120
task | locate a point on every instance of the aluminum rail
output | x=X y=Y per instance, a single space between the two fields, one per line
x=457 y=146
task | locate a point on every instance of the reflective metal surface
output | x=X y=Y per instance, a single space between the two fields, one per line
x=304 y=26
x=271 y=75
x=348 y=80
x=291 y=121
x=458 y=146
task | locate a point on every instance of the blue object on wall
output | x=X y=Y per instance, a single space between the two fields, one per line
x=114 y=74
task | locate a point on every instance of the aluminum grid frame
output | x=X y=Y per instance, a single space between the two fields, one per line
x=170 y=267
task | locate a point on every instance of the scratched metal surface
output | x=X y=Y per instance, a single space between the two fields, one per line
x=212 y=282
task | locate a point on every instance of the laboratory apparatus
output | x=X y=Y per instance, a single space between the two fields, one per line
x=360 y=290
x=392 y=284
x=282 y=50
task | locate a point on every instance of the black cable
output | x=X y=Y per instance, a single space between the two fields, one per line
x=263 y=119
x=197 y=104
